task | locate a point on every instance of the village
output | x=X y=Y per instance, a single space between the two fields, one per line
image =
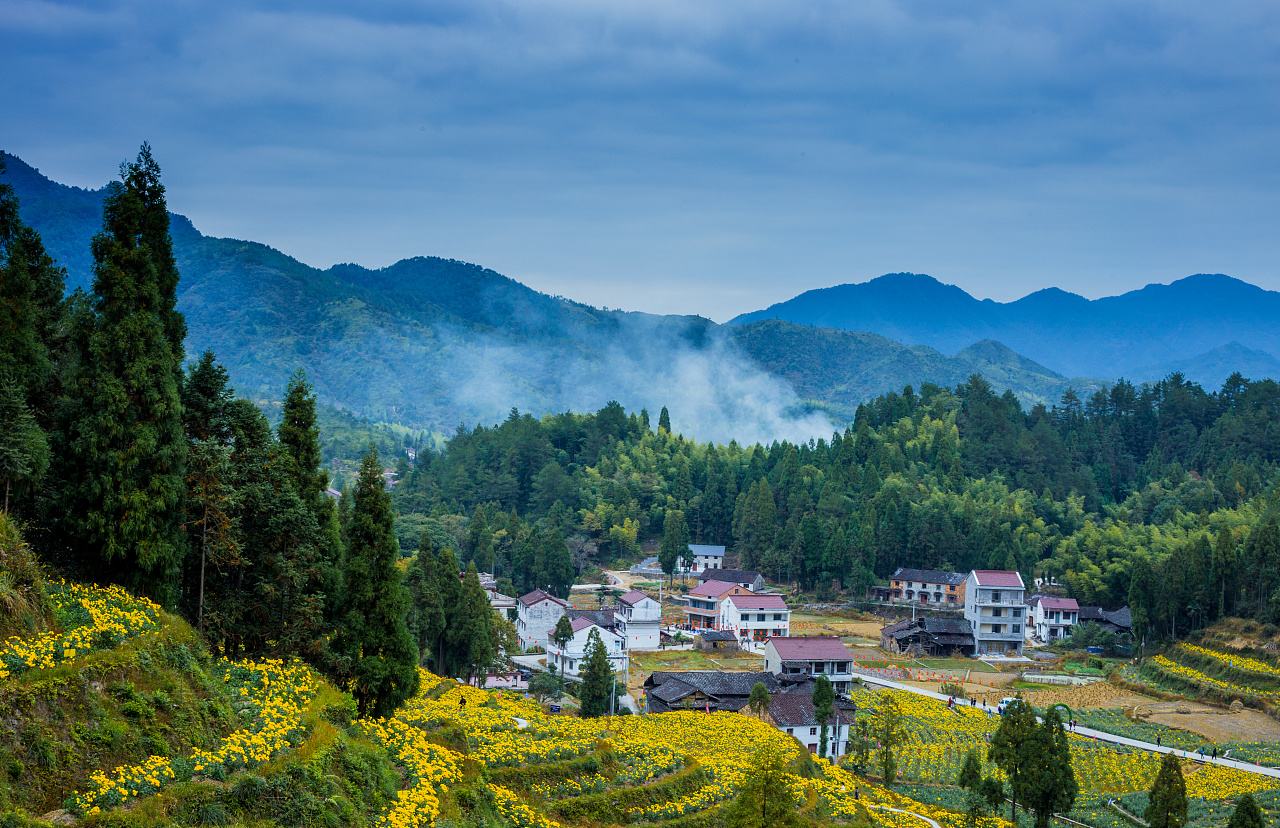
x=706 y=637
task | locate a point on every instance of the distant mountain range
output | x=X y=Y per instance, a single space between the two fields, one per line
x=1195 y=325
x=433 y=343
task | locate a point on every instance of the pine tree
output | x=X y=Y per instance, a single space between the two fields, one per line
x=24 y=449
x=268 y=599
x=211 y=526
x=971 y=771
x=675 y=540
x=888 y=733
x=447 y=654
x=823 y=707
x=664 y=421
x=1247 y=814
x=765 y=799
x=206 y=393
x=31 y=308
x=121 y=451
x=563 y=632
x=375 y=636
x=597 y=678
x=1167 y=805
x=1053 y=785
x=300 y=437
x=426 y=611
x=472 y=630
x=480 y=542
x=1013 y=750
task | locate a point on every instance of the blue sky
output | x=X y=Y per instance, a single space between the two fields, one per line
x=702 y=157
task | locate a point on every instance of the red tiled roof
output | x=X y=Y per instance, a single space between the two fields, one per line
x=811 y=648
x=998 y=578
x=580 y=624
x=540 y=595
x=758 y=602
x=633 y=597
x=711 y=589
x=1049 y=602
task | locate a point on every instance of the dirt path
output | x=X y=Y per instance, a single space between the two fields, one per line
x=1219 y=725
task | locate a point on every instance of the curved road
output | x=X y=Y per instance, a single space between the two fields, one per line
x=1098 y=734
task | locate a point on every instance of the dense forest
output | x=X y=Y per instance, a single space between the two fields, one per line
x=1136 y=486
x=126 y=461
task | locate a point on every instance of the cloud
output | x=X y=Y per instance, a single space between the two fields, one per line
x=709 y=157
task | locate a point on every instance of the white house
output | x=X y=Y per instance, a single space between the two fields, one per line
x=701 y=558
x=568 y=659
x=536 y=616
x=702 y=604
x=1052 y=618
x=638 y=620
x=794 y=715
x=756 y=617
x=995 y=609
x=504 y=605
x=813 y=656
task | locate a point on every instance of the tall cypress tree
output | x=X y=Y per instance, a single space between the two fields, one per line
x=31 y=288
x=473 y=630
x=448 y=656
x=299 y=437
x=597 y=678
x=122 y=450
x=24 y=449
x=675 y=540
x=1167 y=805
x=1247 y=814
x=426 y=609
x=375 y=636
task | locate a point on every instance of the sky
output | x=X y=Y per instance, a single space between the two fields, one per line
x=684 y=157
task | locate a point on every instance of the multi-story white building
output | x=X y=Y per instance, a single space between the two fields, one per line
x=638 y=619
x=702 y=604
x=755 y=617
x=536 y=616
x=927 y=586
x=818 y=655
x=568 y=659
x=701 y=558
x=994 y=607
x=1053 y=618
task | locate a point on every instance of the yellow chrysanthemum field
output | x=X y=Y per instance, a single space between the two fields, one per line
x=461 y=750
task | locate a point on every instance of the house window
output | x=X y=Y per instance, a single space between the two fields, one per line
x=791 y=731
x=1017 y=628
x=777 y=616
x=1017 y=612
x=995 y=596
x=813 y=731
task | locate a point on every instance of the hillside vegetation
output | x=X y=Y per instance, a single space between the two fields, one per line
x=431 y=342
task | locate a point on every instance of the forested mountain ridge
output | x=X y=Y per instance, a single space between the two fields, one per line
x=1142 y=334
x=431 y=342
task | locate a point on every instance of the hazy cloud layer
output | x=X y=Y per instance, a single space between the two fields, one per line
x=707 y=157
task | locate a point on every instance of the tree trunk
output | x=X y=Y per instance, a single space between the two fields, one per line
x=204 y=545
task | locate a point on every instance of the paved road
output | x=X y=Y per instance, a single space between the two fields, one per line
x=1100 y=735
x=534 y=662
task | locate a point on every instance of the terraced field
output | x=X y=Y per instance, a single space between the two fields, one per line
x=937 y=740
x=268 y=742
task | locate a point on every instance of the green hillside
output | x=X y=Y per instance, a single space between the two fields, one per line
x=431 y=343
